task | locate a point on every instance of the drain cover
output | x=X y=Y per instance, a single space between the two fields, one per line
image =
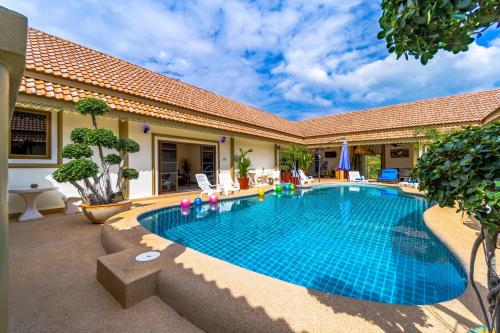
x=147 y=256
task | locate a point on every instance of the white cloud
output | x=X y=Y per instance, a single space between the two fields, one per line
x=293 y=57
x=391 y=80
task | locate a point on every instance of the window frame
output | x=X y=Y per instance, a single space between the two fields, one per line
x=48 y=138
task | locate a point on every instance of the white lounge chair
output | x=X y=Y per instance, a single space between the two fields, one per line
x=355 y=177
x=205 y=185
x=275 y=176
x=227 y=184
x=304 y=179
x=409 y=182
x=255 y=179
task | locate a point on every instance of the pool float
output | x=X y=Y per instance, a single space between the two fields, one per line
x=261 y=193
x=278 y=188
x=213 y=199
x=287 y=187
x=185 y=203
x=198 y=201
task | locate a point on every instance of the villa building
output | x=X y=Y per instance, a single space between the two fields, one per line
x=174 y=121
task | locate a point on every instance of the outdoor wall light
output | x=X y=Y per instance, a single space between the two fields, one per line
x=146 y=128
x=222 y=139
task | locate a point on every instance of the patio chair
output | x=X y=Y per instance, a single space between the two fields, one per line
x=205 y=185
x=389 y=176
x=303 y=178
x=355 y=177
x=255 y=180
x=410 y=182
x=275 y=176
x=227 y=184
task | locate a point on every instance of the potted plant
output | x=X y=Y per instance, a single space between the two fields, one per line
x=101 y=199
x=287 y=163
x=244 y=165
x=294 y=157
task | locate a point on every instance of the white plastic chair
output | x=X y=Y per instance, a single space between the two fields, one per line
x=355 y=177
x=254 y=179
x=303 y=178
x=205 y=185
x=275 y=176
x=227 y=184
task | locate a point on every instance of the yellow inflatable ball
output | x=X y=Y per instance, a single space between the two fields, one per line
x=261 y=192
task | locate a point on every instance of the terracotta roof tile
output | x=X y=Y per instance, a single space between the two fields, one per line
x=56 y=57
x=464 y=108
x=67 y=93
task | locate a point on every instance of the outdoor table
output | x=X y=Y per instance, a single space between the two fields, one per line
x=30 y=195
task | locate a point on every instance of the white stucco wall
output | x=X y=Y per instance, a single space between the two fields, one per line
x=24 y=177
x=262 y=157
x=142 y=161
x=397 y=162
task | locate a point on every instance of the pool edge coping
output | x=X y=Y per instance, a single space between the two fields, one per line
x=114 y=240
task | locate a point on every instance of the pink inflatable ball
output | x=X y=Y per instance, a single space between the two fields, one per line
x=185 y=203
x=213 y=199
x=185 y=211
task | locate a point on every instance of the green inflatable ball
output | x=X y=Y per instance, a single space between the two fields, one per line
x=279 y=188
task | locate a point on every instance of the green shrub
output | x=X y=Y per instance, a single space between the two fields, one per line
x=113 y=159
x=80 y=135
x=462 y=168
x=92 y=106
x=76 y=150
x=76 y=170
x=127 y=145
x=96 y=187
x=102 y=137
x=130 y=174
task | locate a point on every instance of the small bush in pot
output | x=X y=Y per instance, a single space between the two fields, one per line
x=244 y=165
x=93 y=180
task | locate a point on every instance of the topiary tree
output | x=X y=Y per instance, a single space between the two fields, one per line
x=463 y=169
x=420 y=28
x=93 y=181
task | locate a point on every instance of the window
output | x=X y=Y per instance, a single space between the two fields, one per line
x=330 y=154
x=30 y=135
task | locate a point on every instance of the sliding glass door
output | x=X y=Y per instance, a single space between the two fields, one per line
x=167 y=166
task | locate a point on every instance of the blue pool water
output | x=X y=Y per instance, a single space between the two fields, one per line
x=364 y=242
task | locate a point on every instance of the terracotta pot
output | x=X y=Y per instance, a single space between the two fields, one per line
x=100 y=213
x=244 y=183
x=286 y=176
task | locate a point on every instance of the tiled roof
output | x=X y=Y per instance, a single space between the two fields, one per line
x=464 y=108
x=78 y=71
x=42 y=88
x=54 y=56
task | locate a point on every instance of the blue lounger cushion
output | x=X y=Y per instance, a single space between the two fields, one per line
x=388 y=175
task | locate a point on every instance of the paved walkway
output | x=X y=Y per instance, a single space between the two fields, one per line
x=53 y=286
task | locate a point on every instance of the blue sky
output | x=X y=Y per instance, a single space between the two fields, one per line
x=297 y=58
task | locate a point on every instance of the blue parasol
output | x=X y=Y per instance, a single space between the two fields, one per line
x=345 y=163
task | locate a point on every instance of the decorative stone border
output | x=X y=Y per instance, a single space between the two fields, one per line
x=220 y=297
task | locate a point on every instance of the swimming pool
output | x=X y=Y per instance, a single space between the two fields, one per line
x=365 y=242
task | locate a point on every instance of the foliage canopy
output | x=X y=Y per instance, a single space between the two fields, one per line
x=420 y=28
x=464 y=167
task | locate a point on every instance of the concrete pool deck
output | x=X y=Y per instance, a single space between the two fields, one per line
x=53 y=287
